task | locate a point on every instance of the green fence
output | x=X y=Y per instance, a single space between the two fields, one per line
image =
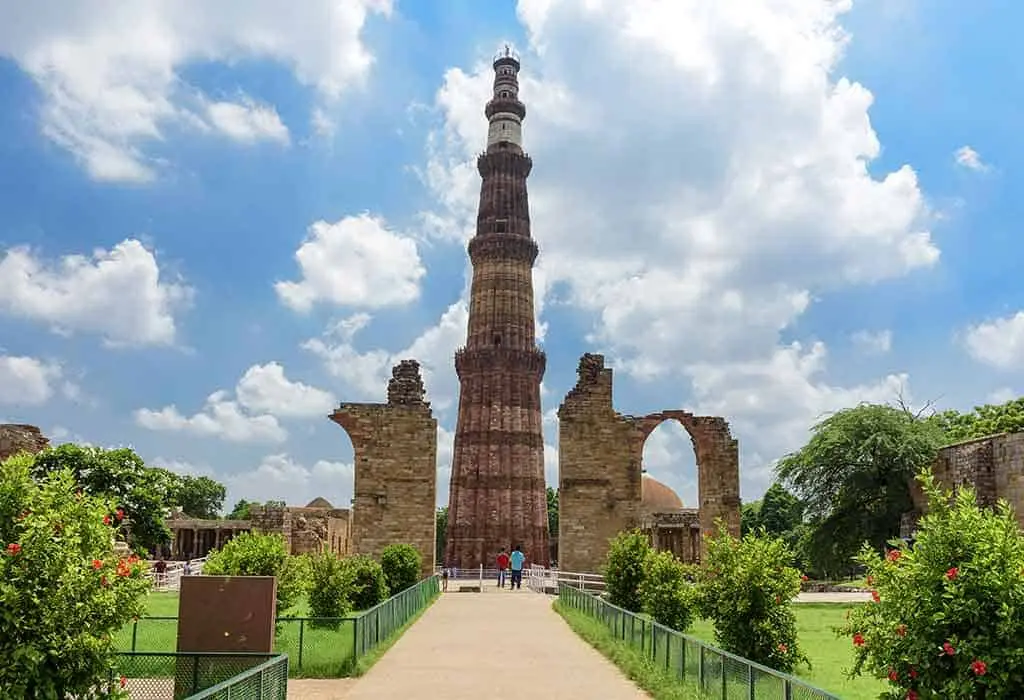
x=718 y=674
x=222 y=676
x=316 y=647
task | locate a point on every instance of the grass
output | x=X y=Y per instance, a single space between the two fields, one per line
x=659 y=683
x=829 y=655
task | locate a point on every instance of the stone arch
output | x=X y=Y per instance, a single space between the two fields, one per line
x=600 y=453
x=395 y=462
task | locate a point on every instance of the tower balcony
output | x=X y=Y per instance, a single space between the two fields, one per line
x=507 y=160
x=500 y=359
x=502 y=246
x=509 y=105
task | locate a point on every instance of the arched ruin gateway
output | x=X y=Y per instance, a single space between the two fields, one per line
x=599 y=465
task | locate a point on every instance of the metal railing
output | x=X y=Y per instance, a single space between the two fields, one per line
x=717 y=674
x=326 y=647
x=545 y=580
x=176 y=675
x=170 y=580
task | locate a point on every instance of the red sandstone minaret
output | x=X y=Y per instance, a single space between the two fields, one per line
x=497 y=497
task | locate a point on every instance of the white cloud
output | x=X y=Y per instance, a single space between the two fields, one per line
x=120 y=294
x=111 y=72
x=873 y=343
x=246 y=121
x=366 y=372
x=1002 y=395
x=221 y=417
x=356 y=261
x=998 y=343
x=27 y=381
x=969 y=158
x=266 y=389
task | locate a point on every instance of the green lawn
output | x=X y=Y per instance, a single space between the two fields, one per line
x=830 y=655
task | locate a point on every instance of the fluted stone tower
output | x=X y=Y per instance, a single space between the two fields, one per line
x=497 y=497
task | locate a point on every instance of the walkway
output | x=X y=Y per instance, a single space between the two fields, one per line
x=498 y=644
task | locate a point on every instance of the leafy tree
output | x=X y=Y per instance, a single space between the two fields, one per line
x=200 y=496
x=946 y=619
x=255 y=554
x=143 y=493
x=747 y=589
x=666 y=592
x=63 y=591
x=552 y=511
x=441 y=532
x=981 y=421
x=624 y=569
x=750 y=517
x=241 y=510
x=781 y=512
x=853 y=477
x=367 y=586
x=329 y=588
x=401 y=564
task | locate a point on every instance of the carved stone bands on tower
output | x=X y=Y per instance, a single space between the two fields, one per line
x=497 y=496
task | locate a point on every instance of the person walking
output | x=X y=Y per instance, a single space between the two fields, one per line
x=516 y=562
x=502 y=562
x=444 y=578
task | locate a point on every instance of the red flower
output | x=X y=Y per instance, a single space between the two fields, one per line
x=803 y=577
x=124 y=568
x=120 y=514
x=894 y=554
x=951 y=574
x=106 y=519
x=875 y=597
x=912 y=673
x=124 y=681
x=901 y=630
x=912 y=695
x=893 y=676
x=97 y=564
x=948 y=649
x=783 y=648
x=979 y=667
x=858 y=640
x=871 y=580
x=13 y=548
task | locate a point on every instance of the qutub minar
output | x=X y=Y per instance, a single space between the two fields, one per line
x=497 y=497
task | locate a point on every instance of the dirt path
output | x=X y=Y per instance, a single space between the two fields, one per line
x=495 y=645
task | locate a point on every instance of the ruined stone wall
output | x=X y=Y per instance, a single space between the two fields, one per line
x=395 y=447
x=599 y=460
x=15 y=438
x=339 y=531
x=993 y=466
x=273 y=520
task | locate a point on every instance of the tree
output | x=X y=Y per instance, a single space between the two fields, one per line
x=401 y=564
x=143 y=493
x=666 y=593
x=441 y=519
x=329 y=585
x=781 y=512
x=63 y=590
x=945 y=621
x=624 y=569
x=750 y=517
x=854 y=476
x=200 y=496
x=367 y=586
x=552 y=511
x=981 y=421
x=255 y=554
x=241 y=510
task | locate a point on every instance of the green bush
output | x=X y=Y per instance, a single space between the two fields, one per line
x=401 y=564
x=365 y=576
x=947 y=619
x=329 y=588
x=63 y=591
x=624 y=569
x=747 y=590
x=667 y=596
x=255 y=554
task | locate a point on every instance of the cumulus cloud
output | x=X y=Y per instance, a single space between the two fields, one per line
x=356 y=261
x=266 y=389
x=27 y=381
x=873 y=342
x=998 y=343
x=246 y=121
x=111 y=73
x=119 y=293
x=967 y=157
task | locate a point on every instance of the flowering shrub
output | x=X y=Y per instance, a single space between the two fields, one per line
x=747 y=589
x=947 y=617
x=401 y=564
x=624 y=569
x=329 y=586
x=254 y=554
x=667 y=595
x=367 y=586
x=63 y=592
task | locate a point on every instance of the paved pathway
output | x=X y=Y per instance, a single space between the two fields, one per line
x=496 y=645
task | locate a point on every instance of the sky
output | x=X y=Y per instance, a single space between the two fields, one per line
x=219 y=220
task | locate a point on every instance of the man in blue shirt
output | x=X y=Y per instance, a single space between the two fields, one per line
x=516 y=564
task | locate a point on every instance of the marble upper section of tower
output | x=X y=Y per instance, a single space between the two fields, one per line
x=504 y=111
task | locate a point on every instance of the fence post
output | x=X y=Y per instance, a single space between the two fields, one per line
x=302 y=630
x=787 y=689
x=135 y=634
x=682 y=658
x=751 y=693
x=700 y=668
x=643 y=635
x=355 y=642
x=195 y=674
x=725 y=682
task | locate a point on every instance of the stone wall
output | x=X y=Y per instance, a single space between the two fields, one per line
x=993 y=466
x=15 y=438
x=395 y=447
x=599 y=461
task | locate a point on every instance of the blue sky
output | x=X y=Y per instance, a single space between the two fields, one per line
x=761 y=215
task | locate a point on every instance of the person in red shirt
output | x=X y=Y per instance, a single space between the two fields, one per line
x=503 y=562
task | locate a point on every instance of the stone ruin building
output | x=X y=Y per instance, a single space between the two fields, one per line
x=16 y=437
x=497 y=496
x=601 y=486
